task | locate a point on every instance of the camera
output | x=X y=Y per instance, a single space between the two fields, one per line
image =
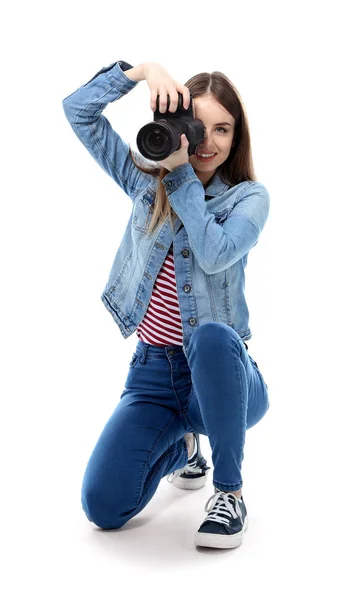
x=159 y=139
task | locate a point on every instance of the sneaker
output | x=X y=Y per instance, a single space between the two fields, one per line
x=194 y=475
x=226 y=522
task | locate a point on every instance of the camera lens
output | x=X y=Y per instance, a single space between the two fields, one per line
x=155 y=138
x=156 y=141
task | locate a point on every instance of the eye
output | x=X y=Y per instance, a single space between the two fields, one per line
x=222 y=128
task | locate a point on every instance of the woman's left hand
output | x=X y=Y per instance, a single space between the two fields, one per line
x=179 y=157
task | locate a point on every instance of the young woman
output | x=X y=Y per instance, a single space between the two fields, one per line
x=178 y=281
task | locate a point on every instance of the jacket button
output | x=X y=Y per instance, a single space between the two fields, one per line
x=187 y=288
x=168 y=185
x=192 y=321
x=185 y=252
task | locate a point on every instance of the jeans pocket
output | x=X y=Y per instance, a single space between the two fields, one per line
x=257 y=367
x=253 y=361
x=135 y=359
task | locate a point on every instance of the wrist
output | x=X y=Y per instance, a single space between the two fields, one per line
x=136 y=73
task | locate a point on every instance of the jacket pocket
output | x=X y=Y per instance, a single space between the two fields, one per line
x=142 y=212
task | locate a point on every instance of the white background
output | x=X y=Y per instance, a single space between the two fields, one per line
x=64 y=361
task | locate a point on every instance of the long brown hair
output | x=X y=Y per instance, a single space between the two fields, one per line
x=237 y=167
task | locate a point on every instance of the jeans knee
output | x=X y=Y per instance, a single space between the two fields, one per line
x=214 y=330
x=100 y=512
x=213 y=334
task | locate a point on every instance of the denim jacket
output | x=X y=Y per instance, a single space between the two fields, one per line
x=214 y=231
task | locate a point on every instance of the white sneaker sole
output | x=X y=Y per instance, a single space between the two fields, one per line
x=219 y=540
x=191 y=484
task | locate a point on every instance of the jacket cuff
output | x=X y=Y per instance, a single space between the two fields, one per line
x=178 y=176
x=115 y=75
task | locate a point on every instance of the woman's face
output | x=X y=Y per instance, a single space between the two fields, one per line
x=218 y=138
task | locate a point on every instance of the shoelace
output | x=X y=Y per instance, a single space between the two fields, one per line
x=189 y=468
x=219 y=504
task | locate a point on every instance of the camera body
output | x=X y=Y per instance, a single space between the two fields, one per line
x=159 y=139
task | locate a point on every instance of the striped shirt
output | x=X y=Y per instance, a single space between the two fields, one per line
x=162 y=324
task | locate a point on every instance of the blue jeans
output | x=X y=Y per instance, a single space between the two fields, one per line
x=218 y=392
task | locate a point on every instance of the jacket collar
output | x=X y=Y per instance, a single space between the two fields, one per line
x=216 y=187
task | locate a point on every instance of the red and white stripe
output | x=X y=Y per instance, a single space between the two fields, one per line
x=162 y=324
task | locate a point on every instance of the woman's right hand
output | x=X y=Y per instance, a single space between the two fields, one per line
x=161 y=84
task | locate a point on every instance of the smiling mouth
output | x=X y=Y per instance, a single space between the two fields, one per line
x=204 y=160
x=197 y=152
